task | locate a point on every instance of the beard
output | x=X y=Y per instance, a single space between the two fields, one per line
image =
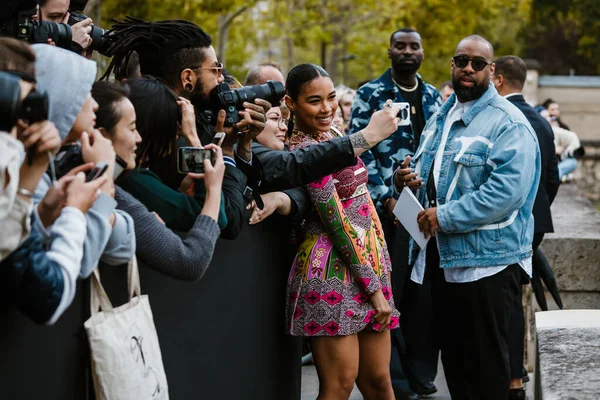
x=199 y=99
x=405 y=68
x=465 y=94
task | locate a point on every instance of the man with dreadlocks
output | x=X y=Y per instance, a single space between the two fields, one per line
x=180 y=54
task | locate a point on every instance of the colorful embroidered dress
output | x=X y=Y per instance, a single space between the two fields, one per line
x=343 y=258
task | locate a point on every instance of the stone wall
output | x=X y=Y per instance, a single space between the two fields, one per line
x=579 y=108
x=568 y=344
x=573 y=251
x=587 y=175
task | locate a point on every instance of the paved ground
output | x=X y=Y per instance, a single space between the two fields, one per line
x=310 y=386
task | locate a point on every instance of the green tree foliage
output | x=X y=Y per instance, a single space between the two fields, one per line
x=351 y=37
x=564 y=35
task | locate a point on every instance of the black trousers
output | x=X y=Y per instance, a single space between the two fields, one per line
x=414 y=357
x=471 y=327
x=516 y=324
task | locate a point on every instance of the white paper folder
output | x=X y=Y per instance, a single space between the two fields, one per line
x=406 y=210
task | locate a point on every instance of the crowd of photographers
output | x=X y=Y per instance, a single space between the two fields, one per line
x=96 y=172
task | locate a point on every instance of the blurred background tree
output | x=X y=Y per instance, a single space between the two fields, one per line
x=350 y=37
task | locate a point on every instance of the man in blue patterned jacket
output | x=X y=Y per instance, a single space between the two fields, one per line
x=401 y=83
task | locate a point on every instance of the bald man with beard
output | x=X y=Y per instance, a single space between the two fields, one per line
x=476 y=174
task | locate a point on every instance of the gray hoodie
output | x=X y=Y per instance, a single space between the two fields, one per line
x=68 y=79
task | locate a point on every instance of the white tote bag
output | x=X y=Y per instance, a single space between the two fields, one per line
x=125 y=353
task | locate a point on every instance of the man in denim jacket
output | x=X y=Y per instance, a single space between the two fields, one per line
x=478 y=194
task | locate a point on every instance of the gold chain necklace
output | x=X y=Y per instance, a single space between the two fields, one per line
x=412 y=89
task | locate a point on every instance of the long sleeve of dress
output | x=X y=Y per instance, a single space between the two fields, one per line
x=160 y=248
x=342 y=234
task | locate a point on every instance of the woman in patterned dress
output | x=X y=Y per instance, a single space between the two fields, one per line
x=339 y=290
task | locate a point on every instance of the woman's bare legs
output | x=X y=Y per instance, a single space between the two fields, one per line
x=374 y=379
x=336 y=359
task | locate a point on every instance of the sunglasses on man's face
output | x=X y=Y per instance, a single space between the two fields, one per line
x=477 y=63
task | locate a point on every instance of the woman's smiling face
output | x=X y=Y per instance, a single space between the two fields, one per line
x=273 y=136
x=315 y=106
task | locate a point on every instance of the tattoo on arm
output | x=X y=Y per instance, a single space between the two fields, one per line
x=359 y=142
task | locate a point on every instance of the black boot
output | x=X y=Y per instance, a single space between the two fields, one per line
x=517 y=394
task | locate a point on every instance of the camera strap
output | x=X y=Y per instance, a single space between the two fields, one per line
x=253 y=194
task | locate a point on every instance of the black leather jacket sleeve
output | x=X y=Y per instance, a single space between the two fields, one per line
x=281 y=170
x=301 y=203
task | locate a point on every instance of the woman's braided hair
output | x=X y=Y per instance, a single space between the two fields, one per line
x=165 y=48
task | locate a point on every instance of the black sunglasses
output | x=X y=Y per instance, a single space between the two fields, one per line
x=477 y=63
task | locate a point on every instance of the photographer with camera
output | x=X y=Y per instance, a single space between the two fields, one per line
x=18 y=179
x=157 y=246
x=58 y=11
x=68 y=79
x=39 y=277
x=179 y=53
x=53 y=22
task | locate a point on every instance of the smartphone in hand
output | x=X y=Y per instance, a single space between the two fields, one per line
x=97 y=171
x=218 y=138
x=403 y=114
x=191 y=159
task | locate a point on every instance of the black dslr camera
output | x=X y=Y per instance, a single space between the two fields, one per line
x=223 y=98
x=16 y=22
x=100 y=42
x=33 y=108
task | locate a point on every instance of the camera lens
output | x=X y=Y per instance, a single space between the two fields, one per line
x=59 y=33
x=223 y=98
x=100 y=43
x=404 y=113
x=271 y=91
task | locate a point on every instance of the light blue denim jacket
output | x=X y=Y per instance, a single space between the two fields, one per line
x=488 y=182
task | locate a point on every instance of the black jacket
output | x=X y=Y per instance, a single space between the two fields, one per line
x=281 y=170
x=549 y=181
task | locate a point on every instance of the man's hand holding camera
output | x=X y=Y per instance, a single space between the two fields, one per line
x=81 y=32
x=253 y=123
